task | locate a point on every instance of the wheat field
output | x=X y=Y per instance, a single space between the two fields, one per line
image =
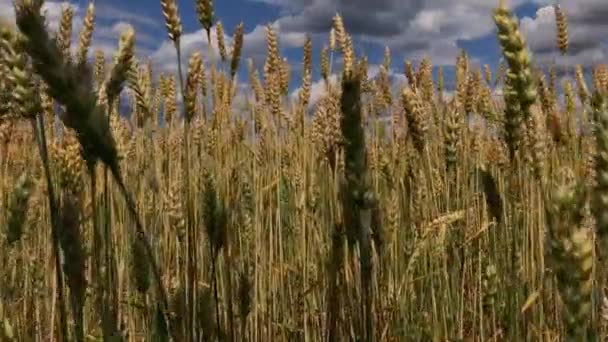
x=424 y=214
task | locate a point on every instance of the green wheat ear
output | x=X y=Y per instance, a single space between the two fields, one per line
x=140 y=268
x=69 y=85
x=7 y=332
x=600 y=193
x=570 y=252
x=18 y=207
x=215 y=215
x=520 y=91
x=70 y=239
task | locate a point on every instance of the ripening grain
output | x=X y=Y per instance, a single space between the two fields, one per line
x=385 y=215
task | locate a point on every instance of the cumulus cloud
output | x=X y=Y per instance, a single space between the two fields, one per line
x=588 y=30
x=434 y=28
x=318 y=88
x=254 y=46
x=413 y=28
x=140 y=20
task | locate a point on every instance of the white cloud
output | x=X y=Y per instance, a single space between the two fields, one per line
x=416 y=28
x=254 y=46
x=165 y=57
x=318 y=89
x=587 y=31
x=428 y=20
x=110 y=12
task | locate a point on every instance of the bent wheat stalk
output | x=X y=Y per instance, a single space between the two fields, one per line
x=71 y=86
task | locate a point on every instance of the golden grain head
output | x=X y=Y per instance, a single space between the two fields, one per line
x=561 y=29
x=237 y=46
x=173 y=21
x=64 y=37
x=86 y=34
x=221 y=42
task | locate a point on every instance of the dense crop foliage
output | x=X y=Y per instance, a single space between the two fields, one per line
x=478 y=214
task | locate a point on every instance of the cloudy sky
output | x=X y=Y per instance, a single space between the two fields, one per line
x=411 y=28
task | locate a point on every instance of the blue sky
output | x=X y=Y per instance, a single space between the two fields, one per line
x=411 y=28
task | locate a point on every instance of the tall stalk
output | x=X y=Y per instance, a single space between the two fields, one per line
x=38 y=130
x=212 y=250
x=191 y=263
x=358 y=197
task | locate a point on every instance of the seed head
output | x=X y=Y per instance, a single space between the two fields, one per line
x=221 y=42
x=86 y=34
x=204 y=10
x=236 y=49
x=172 y=21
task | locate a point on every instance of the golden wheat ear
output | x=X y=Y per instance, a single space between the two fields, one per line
x=64 y=37
x=195 y=67
x=561 y=23
x=221 y=40
x=86 y=35
x=416 y=115
x=172 y=19
x=237 y=47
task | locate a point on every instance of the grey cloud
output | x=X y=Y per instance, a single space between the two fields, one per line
x=587 y=12
x=340 y=5
x=407 y=26
x=377 y=18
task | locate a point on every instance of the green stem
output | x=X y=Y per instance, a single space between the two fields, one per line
x=139 y=230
